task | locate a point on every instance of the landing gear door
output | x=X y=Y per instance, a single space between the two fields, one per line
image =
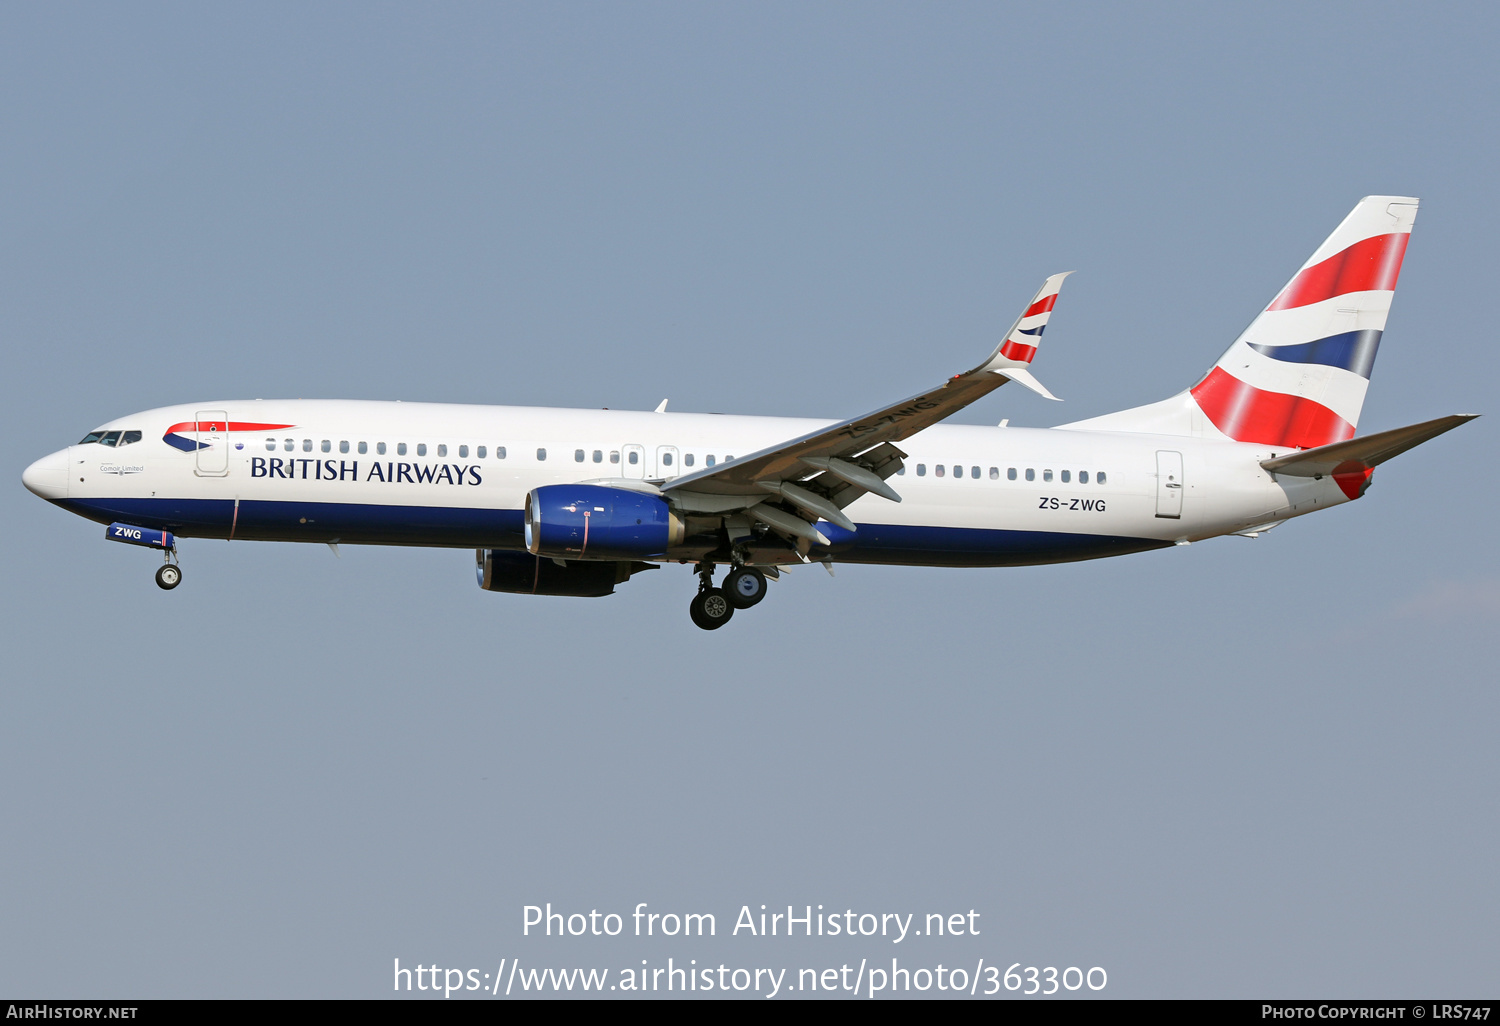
x=1169 y=484
x=212 y=434
x=635 y=461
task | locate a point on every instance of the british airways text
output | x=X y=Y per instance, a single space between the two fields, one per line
x=348 y=470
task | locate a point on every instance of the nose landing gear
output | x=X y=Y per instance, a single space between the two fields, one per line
x=168 y=576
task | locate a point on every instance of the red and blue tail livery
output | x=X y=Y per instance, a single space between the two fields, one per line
x=1297 y=376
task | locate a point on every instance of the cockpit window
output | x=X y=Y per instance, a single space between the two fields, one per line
x=109 y=438
x=92 y=436
x=130 y=437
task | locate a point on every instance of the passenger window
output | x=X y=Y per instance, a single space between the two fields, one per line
x=270 y=445
x=1047 y=475
x=921 y=470
x=541 y=455
x=463 y=452
x=327 y=446
x=109 y=438
x=1030 y=474
x=380 y=448
x=307 y=445
x=577 y=455
x=974 y=473
x=687 y=460
x=421 y=448
x=994 y=473
x=343 y=447
x=940 y=470
x=1066 y=474
x=129 y=437
x=598 y=455
x=499 y=452
x=666 y=459
x=442 y=450
x=288 y=445
x=1083 y=477
x=635 y=458
x=901 y=470
x=479 y=451
x=400 y=448
x=708 y=461
x=364 y=447
x=614 y=456
x=1099 y=477
x=1010 y=473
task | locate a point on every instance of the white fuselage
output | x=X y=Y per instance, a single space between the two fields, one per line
x=434 y=474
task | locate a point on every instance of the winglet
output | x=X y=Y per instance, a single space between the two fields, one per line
x=1014 y=355
x=1022 y=376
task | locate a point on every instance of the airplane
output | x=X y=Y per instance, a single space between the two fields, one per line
x=575 y=502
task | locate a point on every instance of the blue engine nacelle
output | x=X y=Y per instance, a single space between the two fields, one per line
x=582 y=521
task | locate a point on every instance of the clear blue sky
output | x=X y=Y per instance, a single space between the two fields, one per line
x=1241 y=768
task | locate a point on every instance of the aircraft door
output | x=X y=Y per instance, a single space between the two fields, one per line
x=635 y=461
x=212 y=433
x=1169 y=484
x=667 y=461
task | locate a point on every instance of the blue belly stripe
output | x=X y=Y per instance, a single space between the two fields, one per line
x=352 y=522
x=905 y=545
x=458 y=527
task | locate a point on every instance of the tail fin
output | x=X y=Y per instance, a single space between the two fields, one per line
x=1297 y=376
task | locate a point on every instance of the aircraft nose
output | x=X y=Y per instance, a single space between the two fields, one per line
x=48 y=476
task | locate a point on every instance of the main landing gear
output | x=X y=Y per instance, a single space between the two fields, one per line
x=712 y=607
x=745 y=586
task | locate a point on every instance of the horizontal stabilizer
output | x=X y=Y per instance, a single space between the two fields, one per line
x=1369 y=450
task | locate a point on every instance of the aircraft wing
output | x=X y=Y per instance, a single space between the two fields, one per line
x=855 y=456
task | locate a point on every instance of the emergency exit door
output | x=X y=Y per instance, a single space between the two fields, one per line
x=635 y=460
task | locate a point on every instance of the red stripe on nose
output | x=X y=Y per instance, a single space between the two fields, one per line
x=233 y=425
